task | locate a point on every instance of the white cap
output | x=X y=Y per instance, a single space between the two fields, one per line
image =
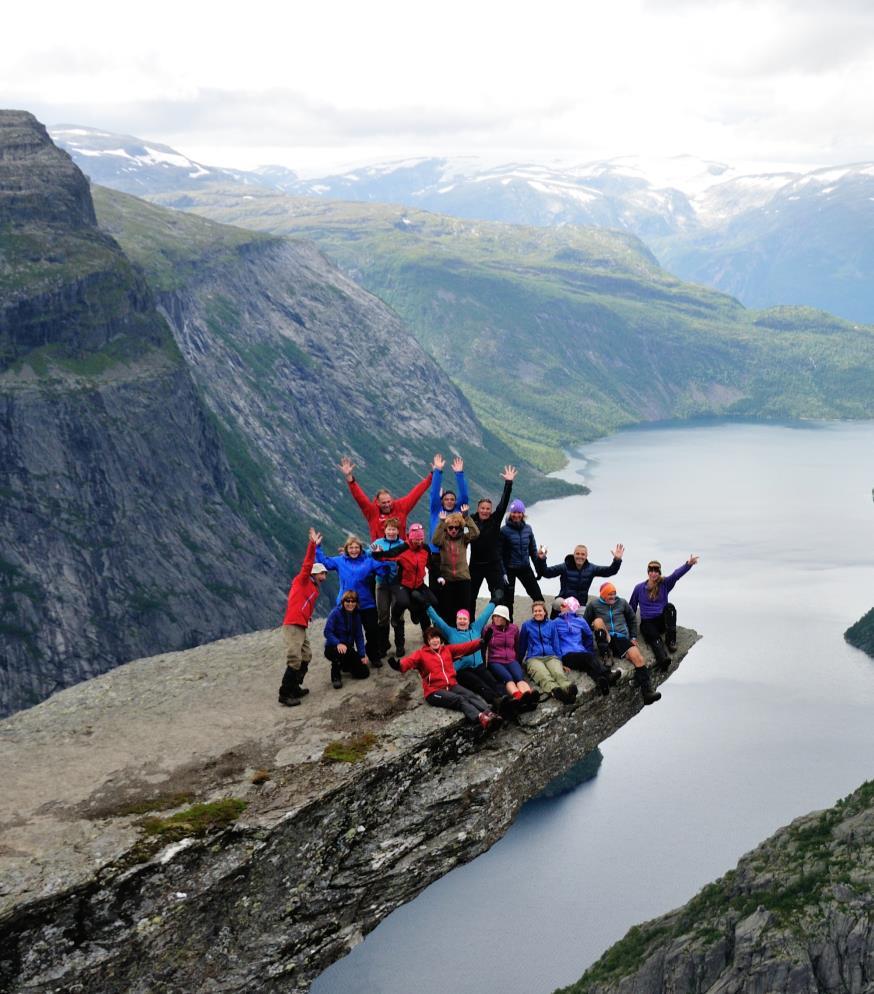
x=501 y=612
x=318 y=568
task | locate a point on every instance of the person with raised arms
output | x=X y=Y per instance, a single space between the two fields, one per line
x=471 y=670
x=657 y=616
x=486 y=562
x=434 y=662
x=344 y=640
x=452 y=536
x=443 y=500
x=383 y=505
x=576 y=572
x=540 y=654
x=301 y=602
x=356 y=569
x=615 y=628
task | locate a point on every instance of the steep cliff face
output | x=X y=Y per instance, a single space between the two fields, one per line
x=118 y=499
x=797 y=915
x=167 y=827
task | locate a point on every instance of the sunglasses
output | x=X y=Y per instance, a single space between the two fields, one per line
x=652 y=569
x=350 y=600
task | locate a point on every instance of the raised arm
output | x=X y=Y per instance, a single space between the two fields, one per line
x=437 y=537
x=393 y=553
x=509 y=475
x=409 y=501
x=472 y=530
x=434 y=504
x=613 y=568
x=680 y=571
x=480 y=623
x=438 y=622
x=458 y=467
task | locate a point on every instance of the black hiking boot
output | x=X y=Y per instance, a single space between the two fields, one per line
x=336 y=679
x=289 y=702
x=642 y=679
x=291 y=688
x=662 y=659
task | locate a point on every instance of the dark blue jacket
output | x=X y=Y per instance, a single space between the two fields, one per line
x=575 y=582
x=517 y=544
x=344 y=628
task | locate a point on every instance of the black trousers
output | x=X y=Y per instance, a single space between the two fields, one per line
x=453 y=596
x=525 y=574
x=586 y=662
x=493 y=574
x=370 y=623
x=416 y=602
x=348 y=661
x=458 y=698
x=664 y=624
x=480 y=681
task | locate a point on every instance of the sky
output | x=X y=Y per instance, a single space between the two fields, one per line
x=767 y=83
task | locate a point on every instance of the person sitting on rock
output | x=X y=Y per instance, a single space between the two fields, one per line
x=387 y=584
x=452 y=536
x=443 y=500
x=576 y=645
x=576 y=572
x=344 y=640
x=657 y=616
x=356 y=569
x=471 y=670
x=615 y=629
x=518 y=551
x=412 y=593
x=383 y=504
x=502 y=658
x=434 y=662
x=540 y=654
x=486 y=562
x=301 y=602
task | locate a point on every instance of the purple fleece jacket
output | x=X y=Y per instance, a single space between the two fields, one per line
x=652 y=609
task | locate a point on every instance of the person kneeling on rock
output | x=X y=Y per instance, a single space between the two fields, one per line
x=434 y=662
x=615 y=628
x=344 y=640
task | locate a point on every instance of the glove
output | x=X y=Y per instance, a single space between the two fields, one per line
x=487 y=636
x=394 y=663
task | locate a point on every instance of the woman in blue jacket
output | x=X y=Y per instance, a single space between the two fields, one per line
x=518 y=551
x=344 y=640
x=356 y=569
x=541 y=655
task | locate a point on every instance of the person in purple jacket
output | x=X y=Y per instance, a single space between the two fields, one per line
x=657 y=616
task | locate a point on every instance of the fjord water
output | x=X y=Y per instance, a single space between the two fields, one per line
x=769 y=716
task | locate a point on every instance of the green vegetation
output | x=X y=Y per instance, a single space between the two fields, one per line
x=790 y=875
x=558 y=335
x=351 y=750
x=861 y=634
x=195 y=821
x=162 y=802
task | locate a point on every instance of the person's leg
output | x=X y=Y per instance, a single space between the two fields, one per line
x=495 y=581
x=371 y=634
x=540 y=674
x=586 y=662
x=480 y=681
x=335 y=658
x=670 y=616
x=383 y=616
x=651 y=629
x=351 y=663
x=477 y=575
x=553 y=664
x=510 y=590
x=529 y=582
x=297 y=652
x=459 y=597
x=459 y=699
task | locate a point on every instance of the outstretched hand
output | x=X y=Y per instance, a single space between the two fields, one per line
x=541 y=552
x=438 y=462
x=443 y=515
x=347 y=467
x=692 y=560
x=464 y=509
x=619 y=551
x=458 y=464
x=315 y=537
x=509 y=473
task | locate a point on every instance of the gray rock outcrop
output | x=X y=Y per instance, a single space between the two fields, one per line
x=104 y=892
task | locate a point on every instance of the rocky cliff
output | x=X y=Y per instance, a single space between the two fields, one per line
x=167 y=827
x=797 y=915
x=117 y=495
x=173 y=410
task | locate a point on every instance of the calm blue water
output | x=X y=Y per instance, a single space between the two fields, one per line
x=768 y=718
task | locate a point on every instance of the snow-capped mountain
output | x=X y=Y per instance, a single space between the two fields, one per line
x=133 y=165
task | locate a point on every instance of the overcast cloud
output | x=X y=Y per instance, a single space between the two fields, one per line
x=745 y=80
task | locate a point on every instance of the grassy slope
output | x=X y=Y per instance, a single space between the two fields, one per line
x=561 y=334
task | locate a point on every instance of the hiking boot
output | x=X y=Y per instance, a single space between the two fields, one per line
x=642 y=679
x=671 y=627
x=560 y=694
x=572 y=692
x=662 y=659
x=615 y=677
x=376 y=664
x=508 y=709
x=488 y=719
x=603 y=684
x=289 y=702
x=395 y=665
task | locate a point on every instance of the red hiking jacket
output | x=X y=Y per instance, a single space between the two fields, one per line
x=435 y=667
x=401 y=507
x=303 y=593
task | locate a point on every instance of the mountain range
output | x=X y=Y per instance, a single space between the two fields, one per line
x=768 y=239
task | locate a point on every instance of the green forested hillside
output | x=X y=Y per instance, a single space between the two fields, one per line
x=556 y=335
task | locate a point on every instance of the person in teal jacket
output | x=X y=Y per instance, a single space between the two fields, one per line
x=471 y=670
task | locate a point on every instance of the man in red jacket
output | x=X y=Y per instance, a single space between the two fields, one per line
x=301 y=602
x=383 y=505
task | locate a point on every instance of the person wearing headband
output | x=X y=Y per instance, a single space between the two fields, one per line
x=658 y=617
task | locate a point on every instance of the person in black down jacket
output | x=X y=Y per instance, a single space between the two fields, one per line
x=485 y=553
x=577 y=572
x=518 y=551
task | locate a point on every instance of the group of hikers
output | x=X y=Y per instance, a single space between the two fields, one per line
x=483 y=665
